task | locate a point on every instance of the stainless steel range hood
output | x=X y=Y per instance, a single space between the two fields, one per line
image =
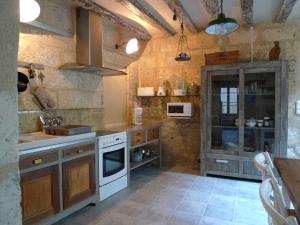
x=89 y=45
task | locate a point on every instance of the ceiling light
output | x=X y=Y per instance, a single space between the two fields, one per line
x=222 y=25
x=183 y=50
x=29 y=10
x=132 y=46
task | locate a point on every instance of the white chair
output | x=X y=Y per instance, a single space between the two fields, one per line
x=264 y=164
x=273 y=203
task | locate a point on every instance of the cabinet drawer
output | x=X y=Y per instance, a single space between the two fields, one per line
x=138 y=137
x=250 y=169
x=223 y=165
x=38 y=159
x=153 y=134
x=78 y=150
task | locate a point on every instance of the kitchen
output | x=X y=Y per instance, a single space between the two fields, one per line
x=159 y=162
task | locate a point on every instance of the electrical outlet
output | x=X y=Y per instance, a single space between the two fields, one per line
x=297 y=107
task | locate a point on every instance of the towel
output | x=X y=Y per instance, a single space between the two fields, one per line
x=44 y=98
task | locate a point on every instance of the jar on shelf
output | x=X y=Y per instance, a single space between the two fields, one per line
x=267 y=121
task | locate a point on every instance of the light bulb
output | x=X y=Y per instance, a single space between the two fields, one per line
x=29 y=10
x=132 y=46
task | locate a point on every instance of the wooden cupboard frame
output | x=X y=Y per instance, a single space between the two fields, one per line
x=241 y=164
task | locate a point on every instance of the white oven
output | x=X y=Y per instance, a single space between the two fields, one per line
x=179 y=109
x=112 y=164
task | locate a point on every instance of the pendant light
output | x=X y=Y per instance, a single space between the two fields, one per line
x=29 y=10
x=222 y=25
x=182 y=55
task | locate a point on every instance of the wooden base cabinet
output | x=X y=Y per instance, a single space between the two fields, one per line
x=244 y=112
x=58 y=180
x=78 y=180
x=40 y=194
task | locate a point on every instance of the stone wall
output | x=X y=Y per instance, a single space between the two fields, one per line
x=79 y=97
x=181 y=138
x=10 y=212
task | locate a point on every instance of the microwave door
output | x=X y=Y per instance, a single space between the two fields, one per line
x=176 y=110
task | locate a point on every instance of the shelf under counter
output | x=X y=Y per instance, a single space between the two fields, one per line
x=135 y=165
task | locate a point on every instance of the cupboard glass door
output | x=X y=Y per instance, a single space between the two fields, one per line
x=224 y=114
x=259 y=112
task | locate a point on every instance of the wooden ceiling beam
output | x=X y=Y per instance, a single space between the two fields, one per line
x=247 y=12
x=139 y=10
x=212 y=7
x=90 y=5
x=175 y=4
x=284 y=10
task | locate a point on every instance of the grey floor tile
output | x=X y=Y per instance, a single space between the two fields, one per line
x=223 y=213
x=213 y=221
x=158 y=215
x=222 y=200
x=157 y=197
x=148 y=222
x=184 y=219
x=116 y=219
x=129 y=208
x=227 y=190
x=191 y=207
x=200 y=196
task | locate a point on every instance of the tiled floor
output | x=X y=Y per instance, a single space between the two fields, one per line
x=158 y=197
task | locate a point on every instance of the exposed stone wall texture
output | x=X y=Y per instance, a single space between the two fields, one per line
x=10 y=212
x=79 y=97
x=181 y=138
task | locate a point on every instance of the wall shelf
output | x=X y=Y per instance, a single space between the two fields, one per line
x=29 y=65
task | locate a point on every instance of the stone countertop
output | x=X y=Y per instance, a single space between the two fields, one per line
x=40 y=139
x=128 y=128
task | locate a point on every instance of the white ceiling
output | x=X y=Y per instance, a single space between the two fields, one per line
x=264 y=11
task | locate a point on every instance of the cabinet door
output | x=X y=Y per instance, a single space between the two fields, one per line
x=223 y=114
x=260 y=109
x=78 y=180
x=40 y=194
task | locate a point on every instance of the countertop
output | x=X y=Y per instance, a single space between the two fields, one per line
x=40 y=139
x=128 y=128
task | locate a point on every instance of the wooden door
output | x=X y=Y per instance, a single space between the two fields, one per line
x=78 y=180
x=40 y=194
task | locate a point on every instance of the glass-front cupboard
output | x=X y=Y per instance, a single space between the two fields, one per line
x=244 y=112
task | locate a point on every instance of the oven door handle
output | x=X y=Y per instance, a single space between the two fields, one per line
x=114 y=148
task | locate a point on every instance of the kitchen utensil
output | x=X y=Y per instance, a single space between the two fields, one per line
x=267 y=121
x=260 y=123
x=179 y=92
x=251 y=122
x=22 y=82
x=161 y=90
x=145 y=91
x=136 y=156
x=137 y=113
x=42 y=119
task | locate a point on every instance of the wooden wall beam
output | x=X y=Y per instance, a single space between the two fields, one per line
x=156 y=21
x=90 y=5
x=247 y=12
x=175 y=4
x=284 y=10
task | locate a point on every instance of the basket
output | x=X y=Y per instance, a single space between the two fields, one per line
x=219 y=58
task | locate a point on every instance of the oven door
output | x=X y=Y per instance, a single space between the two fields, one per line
x=112 y=163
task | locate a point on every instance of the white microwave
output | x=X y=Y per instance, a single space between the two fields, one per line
x=179 y=109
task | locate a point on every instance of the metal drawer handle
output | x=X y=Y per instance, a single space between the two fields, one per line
x=222 y=161
x=79 y=150
x=37 y=161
